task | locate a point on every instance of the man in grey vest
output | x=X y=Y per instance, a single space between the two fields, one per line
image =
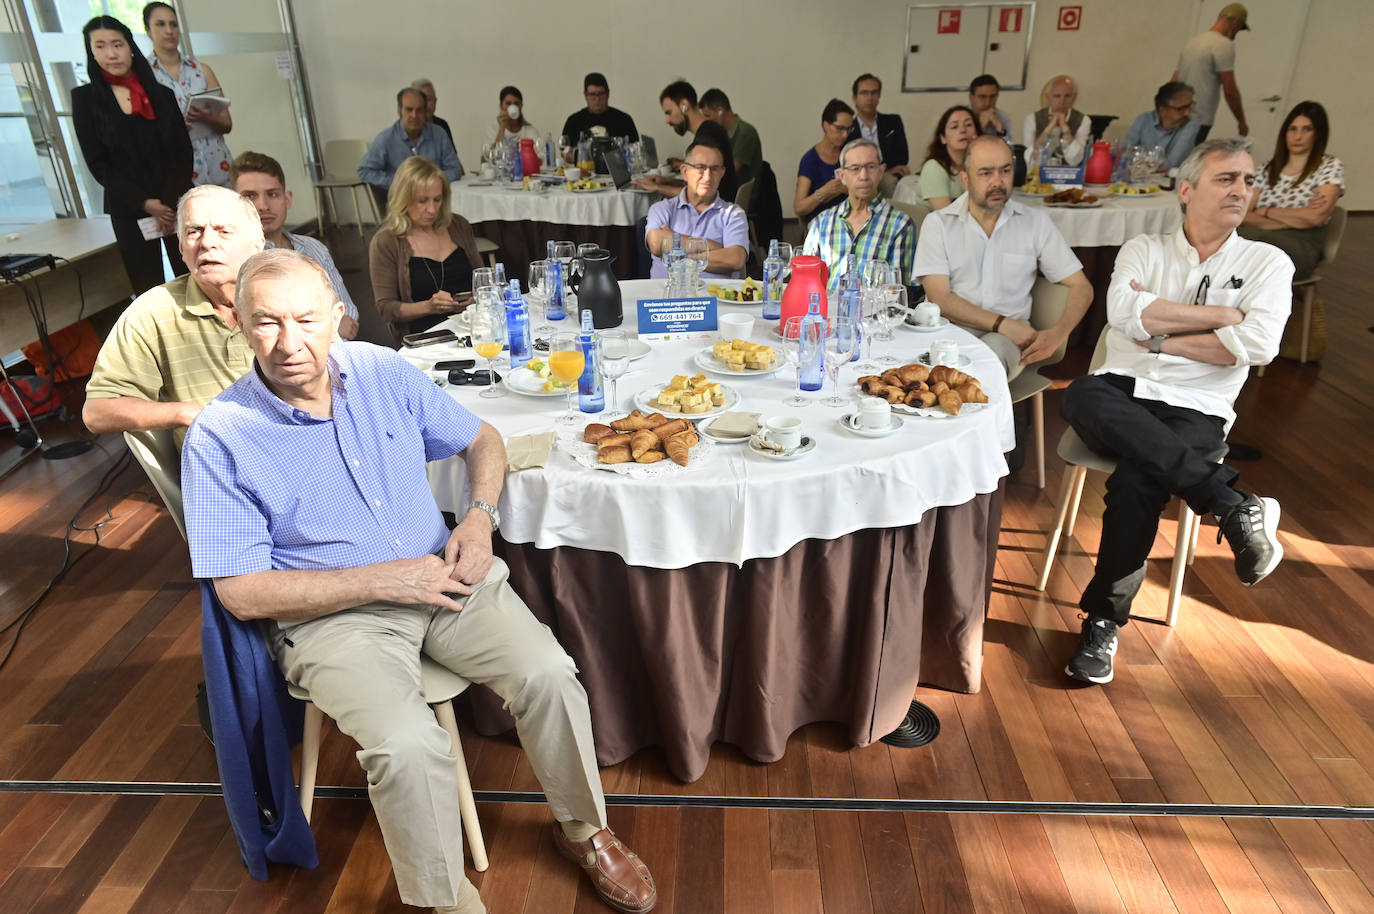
x=1058 y=123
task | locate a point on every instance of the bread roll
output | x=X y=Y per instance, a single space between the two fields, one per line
x=619 y=454
x=641 y=441
x=595 y=432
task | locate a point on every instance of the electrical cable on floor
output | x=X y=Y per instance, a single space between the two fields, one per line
x=25 y=615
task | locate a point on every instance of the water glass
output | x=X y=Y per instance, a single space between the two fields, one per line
x=566 y=362
x=791 y=347
x=488 y=337
x=615 y=359
x=843 y=339
x=698 y=252
x=785 y=253
x=892 y=311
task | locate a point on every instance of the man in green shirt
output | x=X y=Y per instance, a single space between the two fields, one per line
x=744 y=139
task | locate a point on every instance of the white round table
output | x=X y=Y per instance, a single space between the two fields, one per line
x=1117 y=220
x=747 y=597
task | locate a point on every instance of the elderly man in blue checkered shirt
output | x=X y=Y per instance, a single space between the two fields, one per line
x=865 y=223
x=308 y=505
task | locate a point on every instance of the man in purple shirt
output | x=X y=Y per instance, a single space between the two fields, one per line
x=307 y=503
x=700 y=212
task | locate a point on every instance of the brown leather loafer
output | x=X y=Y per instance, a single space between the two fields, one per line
x=618 y=875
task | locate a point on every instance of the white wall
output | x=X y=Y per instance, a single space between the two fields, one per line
x=779 y=62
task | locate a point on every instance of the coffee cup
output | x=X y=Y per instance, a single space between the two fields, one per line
x=784 y=431
x=926 y=314
x=572 y=173
x=944 y=352
x=735 y=326
x=875 y=414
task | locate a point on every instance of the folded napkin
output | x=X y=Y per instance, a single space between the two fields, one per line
x=525 y=452
x=735 y=424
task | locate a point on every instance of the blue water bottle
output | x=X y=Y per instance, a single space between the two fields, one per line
x=554 y=311
x=772 y=283
x=517 y=326
x=591 y=395
x=811 y=346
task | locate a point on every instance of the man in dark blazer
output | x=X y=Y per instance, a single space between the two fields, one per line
x=884 y=129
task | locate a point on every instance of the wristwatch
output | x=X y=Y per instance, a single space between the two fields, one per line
x=492 y=513
x=1157 y=341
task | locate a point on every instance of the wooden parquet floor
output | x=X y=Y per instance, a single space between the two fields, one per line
x=1257 y=711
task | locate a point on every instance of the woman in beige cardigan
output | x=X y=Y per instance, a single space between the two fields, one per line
x=423 y=255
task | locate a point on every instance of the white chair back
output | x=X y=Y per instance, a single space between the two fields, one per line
x=157 y=453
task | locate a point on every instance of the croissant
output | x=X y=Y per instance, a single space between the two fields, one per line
x=938 y=387
x=679 y=448
x=656 y=419
x=920 y=398
x=634 y=421
x=641 y=441
x=950 y=402
x=595 y=432
x=690 y=436
x=668 y=429
x=650 y=457
x=621 y=440
x=951 y=376
x=911 y=374
x=891 y=377
x=971 y=393
x=619 y=454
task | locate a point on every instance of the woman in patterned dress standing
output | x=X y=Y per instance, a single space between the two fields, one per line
x=186 y=77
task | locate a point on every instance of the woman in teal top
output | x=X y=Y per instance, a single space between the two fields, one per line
x=939 y=182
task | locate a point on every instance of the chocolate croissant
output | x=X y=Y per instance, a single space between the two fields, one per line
x=912 y=374
x=870 y=381
x=920 y=398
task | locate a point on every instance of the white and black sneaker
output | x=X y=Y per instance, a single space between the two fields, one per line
x=1252 y=529
x=1092 y=662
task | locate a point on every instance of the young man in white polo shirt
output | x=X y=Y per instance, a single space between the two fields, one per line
x=1188 y=314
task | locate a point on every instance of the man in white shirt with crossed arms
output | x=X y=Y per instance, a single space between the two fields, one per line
x=1188 y=314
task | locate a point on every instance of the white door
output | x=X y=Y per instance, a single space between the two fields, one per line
x=1266 y=56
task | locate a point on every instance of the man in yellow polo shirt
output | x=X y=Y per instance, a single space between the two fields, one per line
x=179 y=345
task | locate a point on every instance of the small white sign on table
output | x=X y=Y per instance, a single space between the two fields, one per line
x=677 y=318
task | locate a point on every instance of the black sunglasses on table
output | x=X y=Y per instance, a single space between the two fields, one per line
x=461 y=376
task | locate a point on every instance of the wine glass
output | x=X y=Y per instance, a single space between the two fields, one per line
x=565 y=252
x=615 y=358
x=785 y=253
x=840 y=344
x=566 y=363
x=892 y=311
x=697 y=251
x=791 y=345
x=483 y=277
x=488 y=337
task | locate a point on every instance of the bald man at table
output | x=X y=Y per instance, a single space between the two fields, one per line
x=352 y=573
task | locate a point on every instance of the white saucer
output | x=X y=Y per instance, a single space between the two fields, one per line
x=964 y=361
x=807 y=446
x=704 y=427
x=941 y=323
x=850 y=423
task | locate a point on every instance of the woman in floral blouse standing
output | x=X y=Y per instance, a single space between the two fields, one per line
x=186 y=78
x=1297 y=189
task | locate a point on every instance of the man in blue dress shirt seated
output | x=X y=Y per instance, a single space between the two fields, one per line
x=413 y=134
x=700 y=212
x=1188 y=313
x=307 y=503
x=1170 y=126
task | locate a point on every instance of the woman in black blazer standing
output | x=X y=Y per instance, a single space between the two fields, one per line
x=135 y=143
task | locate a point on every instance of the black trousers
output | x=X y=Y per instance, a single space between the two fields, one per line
x=1161 y=451
x=143 y=258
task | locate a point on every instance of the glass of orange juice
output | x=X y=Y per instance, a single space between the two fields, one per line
x=488 y=338
x=588 y=167
x=566 y=363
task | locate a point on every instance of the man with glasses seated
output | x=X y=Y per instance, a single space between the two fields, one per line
x=978 y=258
x=179 y=344
x=1188 y=313
x=700 y=212
x=598 y=118
x=1169 y=126
x=864 y=223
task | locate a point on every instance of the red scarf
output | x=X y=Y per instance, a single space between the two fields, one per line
x=139 y=101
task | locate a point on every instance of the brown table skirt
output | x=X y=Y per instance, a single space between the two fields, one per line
x=834 y=630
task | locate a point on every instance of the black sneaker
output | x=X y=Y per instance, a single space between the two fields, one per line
x=1252 y=529
x=1092 y=662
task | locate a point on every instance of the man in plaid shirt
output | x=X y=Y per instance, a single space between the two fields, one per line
x=864 y=224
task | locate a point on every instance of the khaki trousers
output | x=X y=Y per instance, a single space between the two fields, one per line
x=1005 y=350
x=362 y=668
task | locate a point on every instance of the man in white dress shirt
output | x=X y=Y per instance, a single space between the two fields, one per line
x=978 y=257
x=1188 y=314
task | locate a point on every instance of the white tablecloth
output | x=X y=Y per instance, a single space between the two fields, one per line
x=737 y=505
x=1117 y=220
x=495 y=203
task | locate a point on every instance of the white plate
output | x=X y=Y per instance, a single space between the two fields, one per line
x=512 y=185
x=644 y=396
x=941 y=323
x=704 y=428
x=592 y=190
x=807 y=446
x=736 y=284
x=523 y=381
x=706 y=360
x=931 y=412
x=584 y=455
x=1094 y=204
x=850 y=423
x=478 y=183
x=964 y=361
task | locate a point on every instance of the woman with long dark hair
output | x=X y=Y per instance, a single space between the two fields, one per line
x=1296 y=190
x=938 y=183
x=135 y=144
